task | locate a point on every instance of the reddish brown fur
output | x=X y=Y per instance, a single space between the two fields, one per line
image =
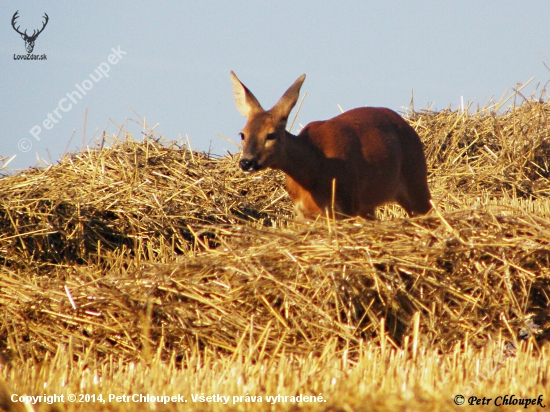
x=371 y=156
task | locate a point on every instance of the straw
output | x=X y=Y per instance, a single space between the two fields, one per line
x=132 y=248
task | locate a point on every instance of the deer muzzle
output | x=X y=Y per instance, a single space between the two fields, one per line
x=249 y=165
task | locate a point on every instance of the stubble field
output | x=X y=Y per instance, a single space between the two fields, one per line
x=135 y=270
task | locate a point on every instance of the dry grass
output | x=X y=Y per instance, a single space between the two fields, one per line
x=376 y=379
x=147 y=267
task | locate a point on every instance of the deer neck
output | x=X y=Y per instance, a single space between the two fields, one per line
x=301 y=159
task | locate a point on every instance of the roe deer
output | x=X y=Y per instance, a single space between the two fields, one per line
x=346 y=166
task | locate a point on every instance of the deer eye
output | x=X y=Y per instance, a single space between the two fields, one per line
x=271 y=136
x=242 y=136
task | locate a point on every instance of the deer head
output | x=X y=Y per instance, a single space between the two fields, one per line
x=264 y=133
x=29 y=40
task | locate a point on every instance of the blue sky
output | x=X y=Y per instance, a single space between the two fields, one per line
x=175 y=58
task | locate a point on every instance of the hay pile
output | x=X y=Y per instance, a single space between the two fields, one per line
x=148 y=248
x=487 y=152
x=135 y=195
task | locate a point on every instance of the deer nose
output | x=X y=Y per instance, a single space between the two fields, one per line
x=246 y=164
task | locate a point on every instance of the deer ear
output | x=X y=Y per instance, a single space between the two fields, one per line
x=245 y=100
x=23 y=36
x=286 y=103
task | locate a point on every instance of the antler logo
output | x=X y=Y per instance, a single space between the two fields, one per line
x=29 y=40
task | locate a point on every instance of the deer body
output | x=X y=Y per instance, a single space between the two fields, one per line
x=346 y=166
